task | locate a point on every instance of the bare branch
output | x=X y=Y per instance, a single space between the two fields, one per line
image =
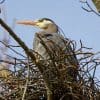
x=20 y=42
x=27 y=81
x=2 y=1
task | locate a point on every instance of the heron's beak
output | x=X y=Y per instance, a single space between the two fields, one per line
x=27 y=22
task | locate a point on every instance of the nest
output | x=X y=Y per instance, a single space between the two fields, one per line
x=23 y=76
x=24 y=81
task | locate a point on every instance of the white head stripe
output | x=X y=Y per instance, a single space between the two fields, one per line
x=47 y=22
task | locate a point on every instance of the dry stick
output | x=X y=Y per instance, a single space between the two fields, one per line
x=27 y=81
x=26 y=49
x=6 y=45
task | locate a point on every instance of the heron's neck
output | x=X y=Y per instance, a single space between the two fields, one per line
x=52 y=28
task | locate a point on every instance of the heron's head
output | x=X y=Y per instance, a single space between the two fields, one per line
x=43 y=23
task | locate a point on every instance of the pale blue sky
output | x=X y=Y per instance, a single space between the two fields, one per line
x=75 y=22
x=68 y=14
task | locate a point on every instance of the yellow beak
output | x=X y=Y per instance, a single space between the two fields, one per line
x=27 y=22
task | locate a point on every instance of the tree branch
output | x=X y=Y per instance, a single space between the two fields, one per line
x=27 y=51
x=18 y=40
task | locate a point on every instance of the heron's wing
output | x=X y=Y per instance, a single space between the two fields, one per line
x=38 y=46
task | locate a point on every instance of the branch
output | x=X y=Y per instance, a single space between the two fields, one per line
x=2 y=1
x=26 y=49
x=90 y=9
x=10 y=47
x=28 y=52
x=18 y=40
x=27 y=81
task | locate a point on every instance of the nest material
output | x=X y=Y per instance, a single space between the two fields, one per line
x=25 y=80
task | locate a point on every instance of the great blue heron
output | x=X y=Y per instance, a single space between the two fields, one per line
x=49 y=39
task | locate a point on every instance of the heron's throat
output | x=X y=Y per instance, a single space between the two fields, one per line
x=52 y=28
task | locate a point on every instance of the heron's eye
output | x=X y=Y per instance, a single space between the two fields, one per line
x=40 y=20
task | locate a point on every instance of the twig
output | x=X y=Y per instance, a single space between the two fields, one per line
x=2 y=1
x=12 y=49
x=90 y=8
x=27 y=81
x=26 y=49
x=19 y=41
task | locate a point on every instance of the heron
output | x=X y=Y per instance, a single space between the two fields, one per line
x=49 y=43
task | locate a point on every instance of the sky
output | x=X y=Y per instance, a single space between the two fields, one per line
x=68 y=15
x=72 y=19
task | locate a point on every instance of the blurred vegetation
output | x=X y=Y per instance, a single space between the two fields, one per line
x=97 y=4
